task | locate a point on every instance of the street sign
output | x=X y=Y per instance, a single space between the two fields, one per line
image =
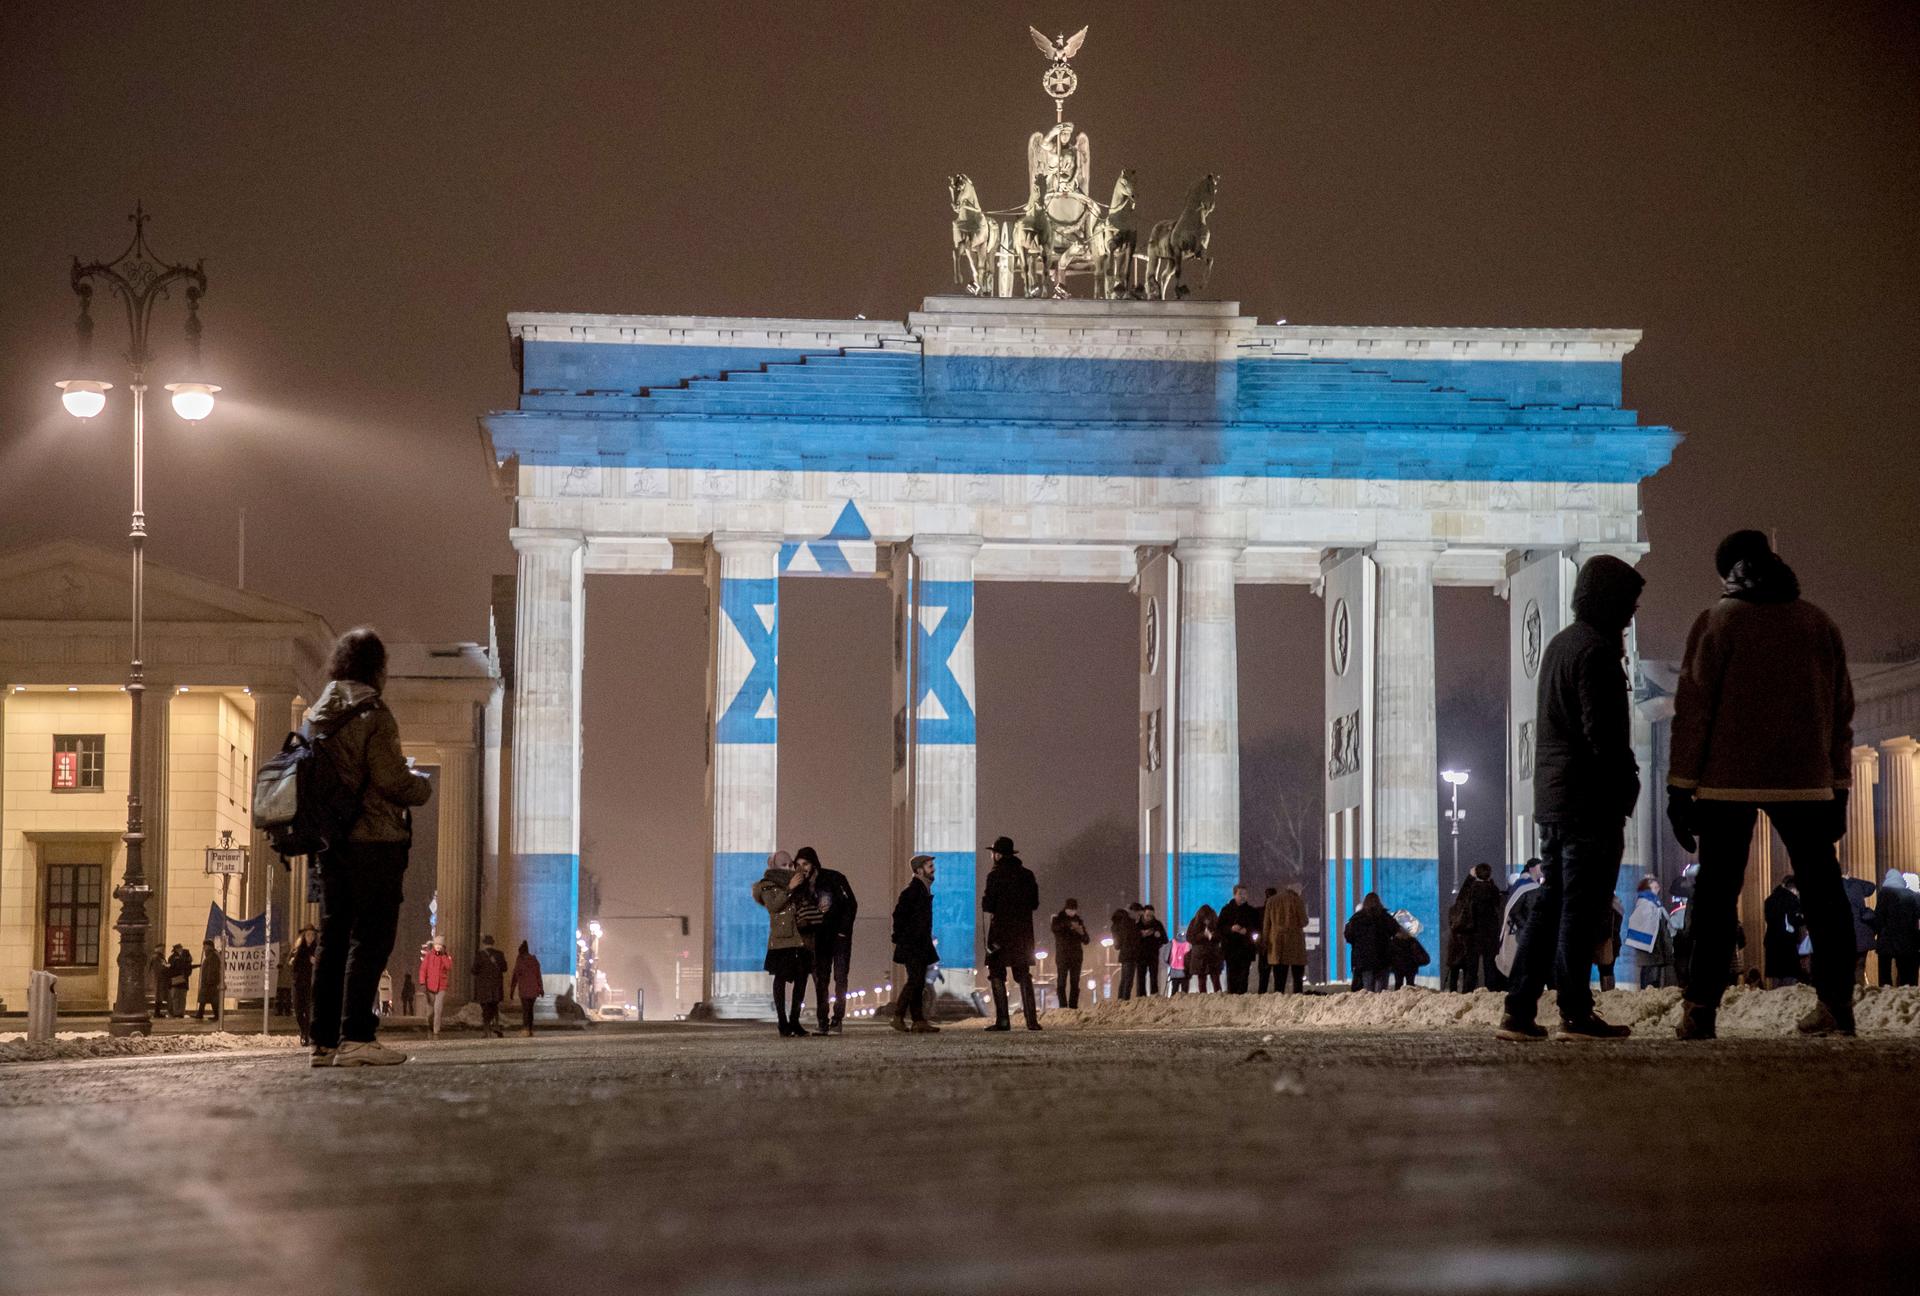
x=228 y=860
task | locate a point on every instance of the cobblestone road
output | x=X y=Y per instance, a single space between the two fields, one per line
x=725 y=1160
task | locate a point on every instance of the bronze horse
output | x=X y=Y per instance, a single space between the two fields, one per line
x=1115 y=239
x=975 y=235
x=1173 y=243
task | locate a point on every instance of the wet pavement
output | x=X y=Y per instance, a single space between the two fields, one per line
x=716 y=1159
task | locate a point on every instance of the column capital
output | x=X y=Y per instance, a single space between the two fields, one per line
x=1223 y=547
x=745 y=544
x=1406 y=553
x=946 y=546
x=1629 y=552
x=545 y=540
x=1896 y=748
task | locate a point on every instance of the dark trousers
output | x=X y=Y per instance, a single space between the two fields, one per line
x=490 y=1017
x=1898 y=969
x=1129 y=973
x=1298 y=971
x=1266 y=976
x=1726 y=833
x=359 y=909
x=1150 y=977
x=1238 y=966
x=1067 y=988
x=303 y=1010
x=1570 y=916
x=526 y=1015
x=783 y=989
x=831 y=957
x=1022 y=977
x=1479 y=969
x=1208 y=975
x=912 y=1003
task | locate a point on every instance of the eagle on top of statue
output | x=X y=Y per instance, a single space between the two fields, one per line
x=1062 y=48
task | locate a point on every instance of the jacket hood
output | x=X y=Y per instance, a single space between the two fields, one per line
x=1605 y=593
x=781 y=877
x=338 y=698
x=1762 y=579
x=1895 y=879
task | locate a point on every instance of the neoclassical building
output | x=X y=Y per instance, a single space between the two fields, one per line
x=1178 y=448
x=229 y=671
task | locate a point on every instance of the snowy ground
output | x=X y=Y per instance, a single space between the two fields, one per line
x=723 y=1160
x=16 y=1047
x=1651 y=1013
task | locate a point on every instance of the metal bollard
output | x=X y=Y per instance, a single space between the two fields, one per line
x=43 y=1005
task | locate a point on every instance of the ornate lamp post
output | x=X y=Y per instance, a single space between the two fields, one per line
x=1456 y=779
x=138 y=279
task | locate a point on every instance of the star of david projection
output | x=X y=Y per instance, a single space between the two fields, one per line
x=846 y=550
x=943 y=713
x=752 y=609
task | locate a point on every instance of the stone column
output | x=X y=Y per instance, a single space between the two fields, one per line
x=1207 y=765
x=1406 y=772
x=1539 y=606
x=457 y=869
x=743 y=674
x=542 y=886
x=944 y=768
x=1856 y=848
x=157 y=854
x=493 y=770
x=1157 y=588
x=272 y=718
x=1753 y=895
x=1903 y=809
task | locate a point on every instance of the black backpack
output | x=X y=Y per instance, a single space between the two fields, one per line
x=299 y=799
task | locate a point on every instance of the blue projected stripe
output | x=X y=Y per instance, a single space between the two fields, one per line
x=739 y=923
x=1204 y=877
x=955 y=898
x=547 y=895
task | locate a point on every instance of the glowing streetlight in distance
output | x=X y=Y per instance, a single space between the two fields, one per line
x=1456 y=777
x=83 y=397
x=192 y=401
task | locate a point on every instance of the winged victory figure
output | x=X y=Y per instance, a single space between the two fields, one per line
x=1061 y=48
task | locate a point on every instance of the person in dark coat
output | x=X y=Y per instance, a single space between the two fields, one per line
x=1585 y=785
x=300 y=972
x=1763 y=721
x=1153 y=939
x=1405 y=954
x=1239 y=939
x=1897 y=907
x=361 y=877
x=1070 y=940
x=1786 y=926
x=1010 y=899
x=1124 y=930
x=489 y=985
x=913 y=947
x=1203 y=950
x=527 y=984
x=832 y=938
x=1860 y=894
x=1370 y=934
x=1476 y=927
x=179 y=972
x=210 y=996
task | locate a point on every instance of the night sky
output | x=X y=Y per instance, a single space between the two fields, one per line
x=375 y=190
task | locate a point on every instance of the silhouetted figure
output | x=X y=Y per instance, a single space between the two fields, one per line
x=1011 y=897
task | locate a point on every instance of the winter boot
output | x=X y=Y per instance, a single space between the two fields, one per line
x=1519 y=1029
x=1823 y=1020
x=899 y=1019
x=922 y=1026
x=1696 y=1022
x=1001 y=1021
x=1591 y=1027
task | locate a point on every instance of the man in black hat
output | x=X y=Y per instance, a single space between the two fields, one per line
x=913 y=947
x=832 y=938
x=1012 y=896
x=300 y=965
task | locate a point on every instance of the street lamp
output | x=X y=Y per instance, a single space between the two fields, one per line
x=139 y=279
x=1457 y=779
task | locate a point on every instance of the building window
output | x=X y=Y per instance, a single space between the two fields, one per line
x=79 y=762
x=73 y=915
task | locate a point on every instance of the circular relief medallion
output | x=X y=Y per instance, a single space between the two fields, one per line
x=1339 y=638
x=1153 y=636
x=1530 y=638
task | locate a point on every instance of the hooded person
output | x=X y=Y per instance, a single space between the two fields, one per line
x=1763 y=722
x=832 y=939
x=1475 y=923
x=1009 y=902
x=1896 y=908
x=1585 y=785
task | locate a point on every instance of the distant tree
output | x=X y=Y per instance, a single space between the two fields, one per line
x=1282 y=810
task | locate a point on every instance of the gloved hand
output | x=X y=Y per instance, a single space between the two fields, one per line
x=1680 y=815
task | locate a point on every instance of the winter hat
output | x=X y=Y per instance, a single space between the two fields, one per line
x=1895 y=879
x=1071 y=903
x=779 y=860
x=918 y=860
x=807 y=853
x=1741 y=546
x=1004 y=846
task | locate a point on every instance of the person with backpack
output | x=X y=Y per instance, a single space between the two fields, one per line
x=363 y=866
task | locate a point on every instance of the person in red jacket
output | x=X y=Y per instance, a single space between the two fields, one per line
x=436 y=974
x=526 y=984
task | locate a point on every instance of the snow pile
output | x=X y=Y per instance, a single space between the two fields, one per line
x=1653 y=1012
x=15 y=1047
